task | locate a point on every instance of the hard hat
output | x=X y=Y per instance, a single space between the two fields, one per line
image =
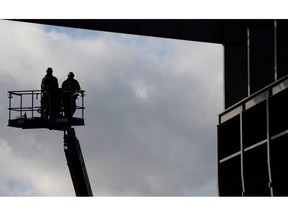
x=49 y=70
x=71 y=74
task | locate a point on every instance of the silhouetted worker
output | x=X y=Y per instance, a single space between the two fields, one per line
x=50 y=101
x=70 y=87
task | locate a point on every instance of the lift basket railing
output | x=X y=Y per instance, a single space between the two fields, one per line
x=29 y=103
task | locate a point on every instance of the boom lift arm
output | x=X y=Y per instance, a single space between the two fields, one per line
x=76 y=164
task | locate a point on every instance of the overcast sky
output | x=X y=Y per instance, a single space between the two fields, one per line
x=152 y=108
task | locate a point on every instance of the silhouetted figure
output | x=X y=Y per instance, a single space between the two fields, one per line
x=50 y=101
x=70 y=87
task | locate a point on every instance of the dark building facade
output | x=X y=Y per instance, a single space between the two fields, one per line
x=253 y=128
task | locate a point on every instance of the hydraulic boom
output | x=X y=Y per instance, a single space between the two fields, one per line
x=76 y=164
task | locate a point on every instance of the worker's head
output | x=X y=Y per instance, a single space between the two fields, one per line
x=71 y=75
x=49 y=71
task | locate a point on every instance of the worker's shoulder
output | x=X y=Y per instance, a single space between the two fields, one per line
x=65 y=81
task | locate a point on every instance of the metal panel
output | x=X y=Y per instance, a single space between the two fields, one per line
x=278 y=162
x=278 y=112
x=261 y=56
x=228 y=115
x=229 y=177
x=257 y=99
x=280 y=87
x=229 y=137
x=256 y=177
x=236 y=74
x=282 y=48
x=234 y=33
x=254 y=125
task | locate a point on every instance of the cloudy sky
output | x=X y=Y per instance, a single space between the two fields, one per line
x=151 y=112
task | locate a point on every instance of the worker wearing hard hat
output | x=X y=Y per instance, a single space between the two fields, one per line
x=69 y=89
x=49 y=88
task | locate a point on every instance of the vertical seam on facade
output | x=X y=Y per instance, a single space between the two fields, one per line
x=248 y=60
x=242 y=153
x=268 y=143
x=275 y=52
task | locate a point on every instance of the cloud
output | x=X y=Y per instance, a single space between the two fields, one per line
x=151 y=112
